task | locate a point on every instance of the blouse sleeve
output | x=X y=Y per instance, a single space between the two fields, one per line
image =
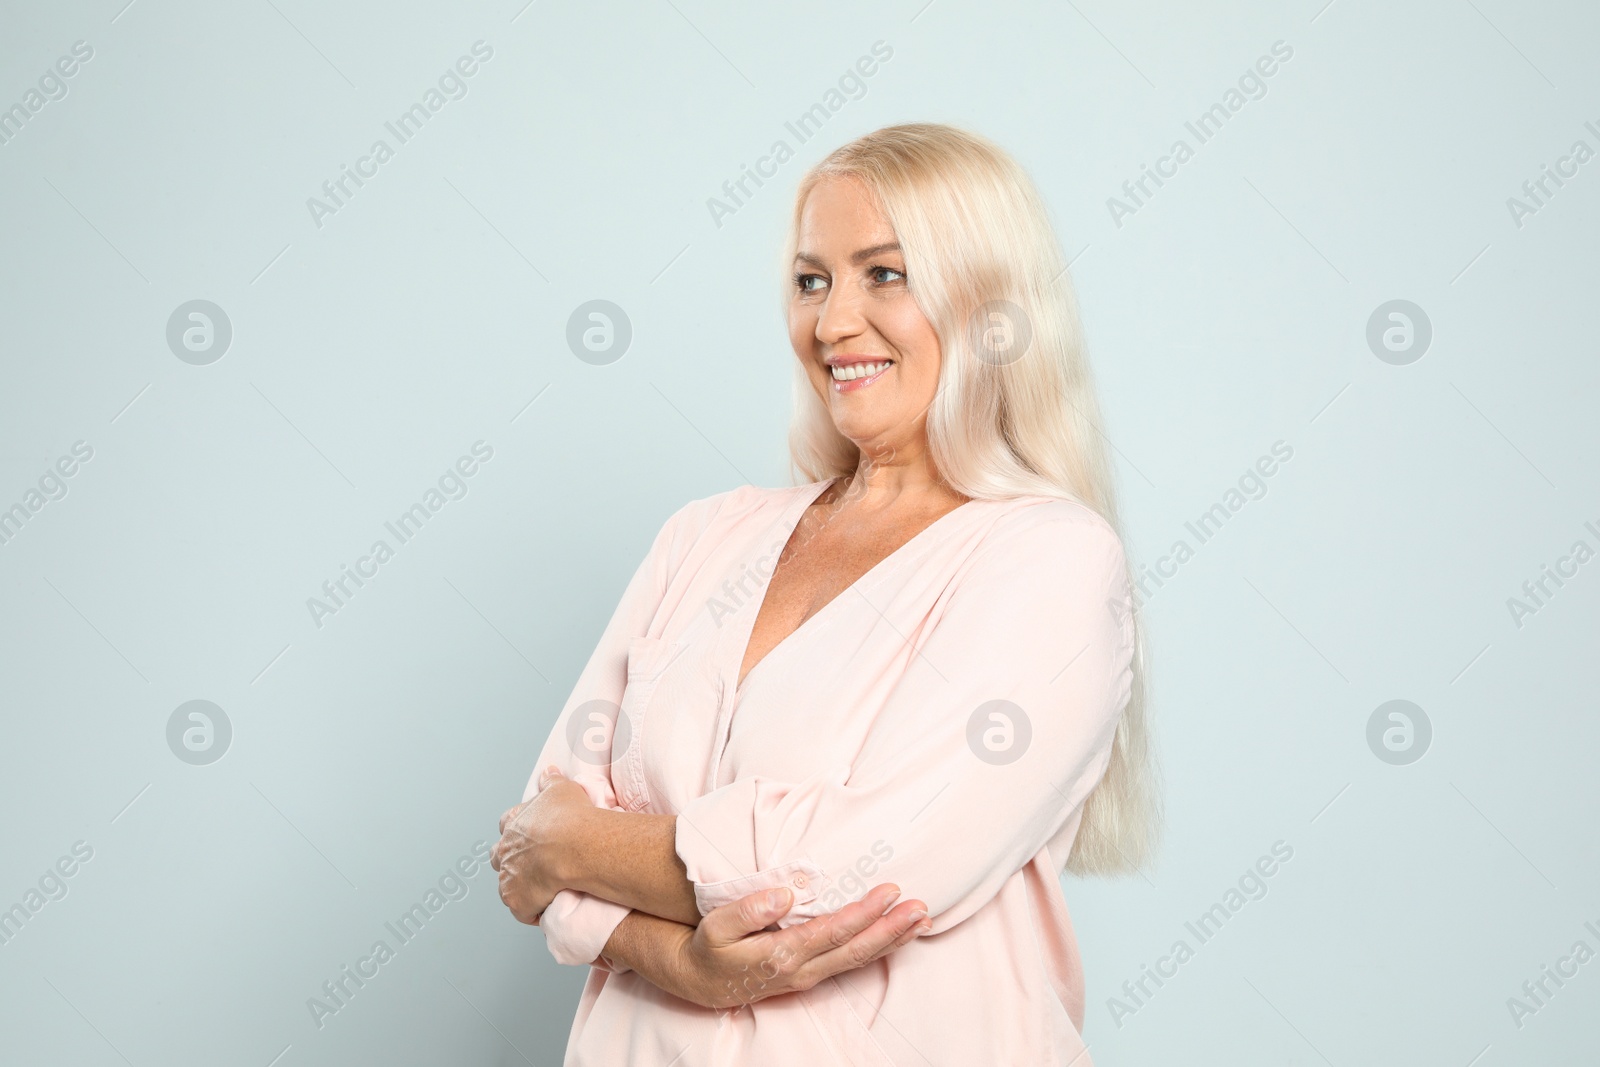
x=982 y=751
x=577 y=925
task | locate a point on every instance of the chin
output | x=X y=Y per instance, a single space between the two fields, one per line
x=860 y=429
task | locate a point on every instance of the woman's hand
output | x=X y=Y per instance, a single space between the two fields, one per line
x=534 y=850
x=728 y=960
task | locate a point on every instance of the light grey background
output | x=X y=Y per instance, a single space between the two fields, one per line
x=1227 y=313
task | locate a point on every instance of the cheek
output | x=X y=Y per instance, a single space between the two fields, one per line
x=803 y=339
x=905 y=327
x=802 y=329
x=920 y=362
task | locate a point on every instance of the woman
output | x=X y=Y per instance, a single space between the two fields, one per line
x=915 y=672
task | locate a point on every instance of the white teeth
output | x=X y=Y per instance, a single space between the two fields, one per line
x=850 y=372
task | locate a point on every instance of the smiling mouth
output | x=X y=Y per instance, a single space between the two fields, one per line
x=849 y=372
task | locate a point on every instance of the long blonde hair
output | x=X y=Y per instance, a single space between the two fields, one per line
x=974 y=232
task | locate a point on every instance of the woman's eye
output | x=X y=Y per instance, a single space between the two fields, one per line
x=804 y=282
x=879 y=272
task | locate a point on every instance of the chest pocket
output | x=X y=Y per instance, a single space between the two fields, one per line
x=648 y=658
x=669 y=710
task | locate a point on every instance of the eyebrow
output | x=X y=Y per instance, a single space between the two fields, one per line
x=857 y=257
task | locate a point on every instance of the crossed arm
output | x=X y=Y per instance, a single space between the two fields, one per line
x=974 y=762
x=559 y=840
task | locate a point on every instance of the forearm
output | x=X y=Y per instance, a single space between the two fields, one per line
x=631 y=859
x=651 y=946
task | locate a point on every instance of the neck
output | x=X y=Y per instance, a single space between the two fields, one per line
x=891 y=475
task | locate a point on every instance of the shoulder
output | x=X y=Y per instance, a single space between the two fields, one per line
x=720 y=512
x=1056 y=557
x=1047 y=521
x=1047 y=539
x=734 y=504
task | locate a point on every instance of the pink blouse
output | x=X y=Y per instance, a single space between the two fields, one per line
x=937 y=725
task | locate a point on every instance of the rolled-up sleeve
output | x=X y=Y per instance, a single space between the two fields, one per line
x=985 y=747
x=577 y=925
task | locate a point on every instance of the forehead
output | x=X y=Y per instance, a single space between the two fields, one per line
x=841 y=215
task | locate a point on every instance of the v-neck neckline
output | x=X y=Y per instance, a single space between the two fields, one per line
x=742 y=646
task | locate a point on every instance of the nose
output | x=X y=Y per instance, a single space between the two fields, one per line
x=841 y=315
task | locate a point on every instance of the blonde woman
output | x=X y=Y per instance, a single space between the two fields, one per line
x=811 y=798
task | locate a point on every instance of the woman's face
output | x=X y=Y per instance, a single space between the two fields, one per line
x=851 y=312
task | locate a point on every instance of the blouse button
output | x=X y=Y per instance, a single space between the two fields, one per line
x=800 y=881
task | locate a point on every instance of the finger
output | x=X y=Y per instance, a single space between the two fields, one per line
x=550 y=774
x=745 y=916
x=807 y=940
x=844 y=959
x=898 y=943
x=919 y=925
x=512 y=898
x=830 y=931
x=876 y=940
